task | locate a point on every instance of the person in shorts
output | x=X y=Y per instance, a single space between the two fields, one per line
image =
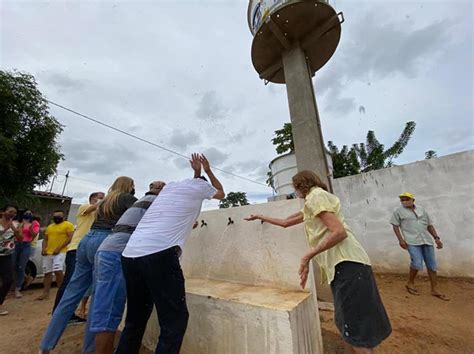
x=415 y=233
x=56 y=238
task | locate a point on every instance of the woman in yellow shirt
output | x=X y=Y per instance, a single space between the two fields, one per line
x=359 y=313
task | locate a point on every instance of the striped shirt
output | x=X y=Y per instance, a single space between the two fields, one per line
x=127 y=223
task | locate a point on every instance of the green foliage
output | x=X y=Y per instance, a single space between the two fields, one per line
x=29 y=153
x=345 y=162
x=284 y=139
x=269 y=180
x=233 y=199
x=430 y=154
x=362 y=157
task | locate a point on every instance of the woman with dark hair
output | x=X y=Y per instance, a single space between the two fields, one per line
x=29 y=229
x=359 y=313
x=9 y=230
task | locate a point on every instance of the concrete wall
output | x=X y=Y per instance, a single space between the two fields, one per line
x=443 y=186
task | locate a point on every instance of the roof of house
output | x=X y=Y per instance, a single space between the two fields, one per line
x=50 y=195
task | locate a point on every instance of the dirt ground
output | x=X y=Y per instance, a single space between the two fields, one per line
x=421 y=324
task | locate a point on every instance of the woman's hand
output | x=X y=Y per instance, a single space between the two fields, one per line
x=304 y=271
x=253 y=217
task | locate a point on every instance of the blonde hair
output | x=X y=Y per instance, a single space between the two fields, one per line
x=305 y=180
x=121 y=185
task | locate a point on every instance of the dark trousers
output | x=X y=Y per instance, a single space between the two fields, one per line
x=154 y=279
x=70 y=265
x=6 y=273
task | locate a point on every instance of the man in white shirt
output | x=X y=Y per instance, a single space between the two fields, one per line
x=151 y=260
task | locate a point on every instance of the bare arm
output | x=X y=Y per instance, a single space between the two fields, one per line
x=45 y=244
x=90 y=209
x=337 y=234
x=293 y=219
x=400 y=238
x=220 y=194
x=432 y=231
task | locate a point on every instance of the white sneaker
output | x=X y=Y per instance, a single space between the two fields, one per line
x=3 y=312
x=18 y=294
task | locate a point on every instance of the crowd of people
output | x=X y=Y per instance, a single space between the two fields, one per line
x=125 y=250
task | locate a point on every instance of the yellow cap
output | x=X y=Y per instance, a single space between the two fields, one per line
x=406 y=195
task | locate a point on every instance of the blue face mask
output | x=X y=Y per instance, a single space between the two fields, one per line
x=28 y=216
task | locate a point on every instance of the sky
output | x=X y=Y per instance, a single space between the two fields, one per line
x=179 y=74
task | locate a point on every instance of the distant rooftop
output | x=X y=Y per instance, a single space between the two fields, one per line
x=50 y=195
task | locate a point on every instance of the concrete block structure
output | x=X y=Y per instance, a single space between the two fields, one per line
x=242 y=287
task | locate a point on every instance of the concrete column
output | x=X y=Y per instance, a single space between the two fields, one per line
x=307 y=135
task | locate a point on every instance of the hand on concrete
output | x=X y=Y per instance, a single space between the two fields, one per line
x=439 y=244
x=303 y=271
x=403 y=244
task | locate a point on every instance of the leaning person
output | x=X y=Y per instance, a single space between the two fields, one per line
x=359 y=313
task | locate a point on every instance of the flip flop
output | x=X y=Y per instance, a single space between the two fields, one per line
x=411 y=290
x=442 y=297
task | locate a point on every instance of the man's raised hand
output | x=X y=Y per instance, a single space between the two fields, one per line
x=196 y=164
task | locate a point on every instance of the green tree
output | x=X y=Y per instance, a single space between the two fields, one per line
x=233 y=199
x=430 y=154
x=284 y=139
x=270 y=181
x=373 y=156
x=29 y=153
x=362 y=157
x=344 y=162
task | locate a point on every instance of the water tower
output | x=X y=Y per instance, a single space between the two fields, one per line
x=292 y=40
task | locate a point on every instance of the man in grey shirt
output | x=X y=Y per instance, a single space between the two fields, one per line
x=415 y=232
x=109 y=294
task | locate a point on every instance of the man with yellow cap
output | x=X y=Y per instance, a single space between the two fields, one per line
x=415 y=232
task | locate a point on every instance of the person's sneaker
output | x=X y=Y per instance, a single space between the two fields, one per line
x=18 y=294
x=75 y=320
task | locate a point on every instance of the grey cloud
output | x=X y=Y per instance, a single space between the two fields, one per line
x=99 y=158
x=340 y=105
x=211 y=108
x=62 y=81
x=215 y=156
x=182 y=139
x=378 y=50
x=181 y=163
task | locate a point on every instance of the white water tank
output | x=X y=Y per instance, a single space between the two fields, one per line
x=283 y=168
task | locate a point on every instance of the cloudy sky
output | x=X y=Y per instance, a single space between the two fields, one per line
x=179 y=73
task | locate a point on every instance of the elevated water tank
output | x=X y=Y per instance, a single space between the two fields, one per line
x=283 y=168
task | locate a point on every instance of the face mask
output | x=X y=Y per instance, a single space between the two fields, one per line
x=28 y=216
x=132 y=192
x=58 y=219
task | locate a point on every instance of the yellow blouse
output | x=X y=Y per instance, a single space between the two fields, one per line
x=317 y=201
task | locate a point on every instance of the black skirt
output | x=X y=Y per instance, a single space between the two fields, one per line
x=359 y=312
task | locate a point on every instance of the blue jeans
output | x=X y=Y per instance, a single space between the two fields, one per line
x=21 y=256
x=110 y=293
x=81 y=280
x=420 y=253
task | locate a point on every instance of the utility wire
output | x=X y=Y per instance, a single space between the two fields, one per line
x=147 y=141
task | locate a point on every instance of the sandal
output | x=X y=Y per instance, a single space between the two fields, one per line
x=442 y=297
x=411 y=290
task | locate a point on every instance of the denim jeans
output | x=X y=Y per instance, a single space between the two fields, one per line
x=75 y=290
x=110 y=293
x=70 y=265
x=21 y=256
